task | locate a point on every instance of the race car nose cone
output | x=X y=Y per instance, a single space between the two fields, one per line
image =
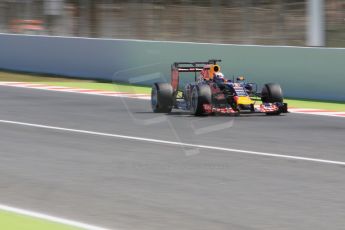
x=244 y=101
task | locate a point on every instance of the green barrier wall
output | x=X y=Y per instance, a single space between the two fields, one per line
x=315 y=73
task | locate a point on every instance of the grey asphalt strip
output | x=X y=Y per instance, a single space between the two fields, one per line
x=119 y=183
x=194 y=148
x=291 y=134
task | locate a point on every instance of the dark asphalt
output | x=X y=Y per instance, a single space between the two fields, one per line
x=125 y=184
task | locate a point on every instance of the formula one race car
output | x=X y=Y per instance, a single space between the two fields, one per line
x=212 y=93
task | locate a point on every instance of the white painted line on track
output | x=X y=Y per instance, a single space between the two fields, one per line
x=173 y=143
x=46 y=217
x=318 y=112
x=76 y=90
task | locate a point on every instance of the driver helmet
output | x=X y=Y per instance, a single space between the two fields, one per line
x=218 y=77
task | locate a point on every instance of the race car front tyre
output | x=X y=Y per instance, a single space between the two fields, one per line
x=201 y=95
x=271 y=93
x=162 y=98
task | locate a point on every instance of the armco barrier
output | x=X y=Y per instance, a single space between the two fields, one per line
x=317 y=73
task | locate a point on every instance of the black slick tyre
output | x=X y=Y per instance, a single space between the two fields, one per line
x=271 y=93
x=161 y=98
x=201 y=94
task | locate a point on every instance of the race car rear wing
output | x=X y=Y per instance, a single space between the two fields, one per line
x=188 y=67
x=193 y=66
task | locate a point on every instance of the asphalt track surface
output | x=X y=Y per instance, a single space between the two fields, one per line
x=127 y=184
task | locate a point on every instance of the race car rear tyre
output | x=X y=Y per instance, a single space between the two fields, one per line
x=271 y=93
x=162 y=98
x=201 y=94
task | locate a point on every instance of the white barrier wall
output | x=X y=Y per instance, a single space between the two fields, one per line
x=317 y=73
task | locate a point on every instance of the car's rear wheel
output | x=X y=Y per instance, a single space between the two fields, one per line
x=201 y=95
x=162 y=98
